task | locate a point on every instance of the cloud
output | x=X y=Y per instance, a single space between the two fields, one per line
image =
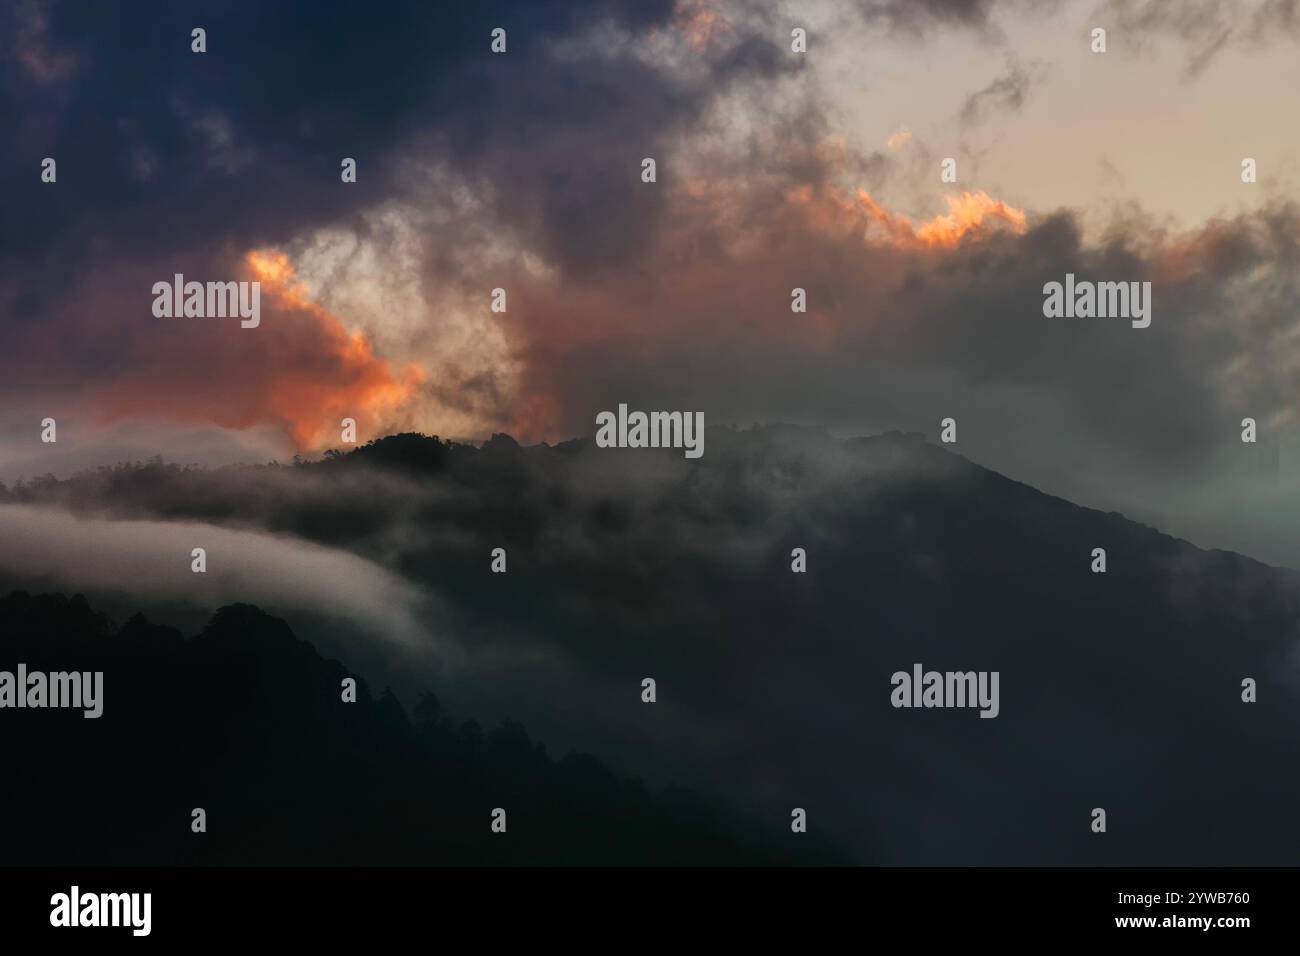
x=246 y=139
x=242 y=151
x=1205 y=27
x=910 y=320
x=150 y=560
x=671 y=295
x=31 y=46
x=919 y=16
x=1006 y=93
x=103 y=356
x=85 y=444
x=899 y=139
x=967 y=217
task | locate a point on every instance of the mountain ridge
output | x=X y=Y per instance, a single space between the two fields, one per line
x=1121 y=689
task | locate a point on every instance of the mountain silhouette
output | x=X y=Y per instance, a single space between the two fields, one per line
x=248 y=723
x=1121 y=690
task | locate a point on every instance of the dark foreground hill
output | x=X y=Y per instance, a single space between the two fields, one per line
x=248 y=723
x=1119 y=690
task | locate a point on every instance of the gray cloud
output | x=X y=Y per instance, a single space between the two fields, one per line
x=904 y=16
x=150 y=560
x=899 y=335
x=1006 y=93
x=1205 y=27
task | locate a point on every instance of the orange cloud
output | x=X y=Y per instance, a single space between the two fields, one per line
x=301 y=369
x=969 y=216
x=358 y=385
x=900 y=139
x=700 y=25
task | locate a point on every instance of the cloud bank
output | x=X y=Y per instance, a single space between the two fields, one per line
x=150 y=560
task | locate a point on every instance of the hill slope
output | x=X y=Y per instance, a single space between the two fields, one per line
x=248 y=723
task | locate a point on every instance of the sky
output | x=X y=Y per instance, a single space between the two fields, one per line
x=775 y=170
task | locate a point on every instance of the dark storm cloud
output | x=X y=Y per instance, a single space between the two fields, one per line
x=160 y=148
x=170 y=160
